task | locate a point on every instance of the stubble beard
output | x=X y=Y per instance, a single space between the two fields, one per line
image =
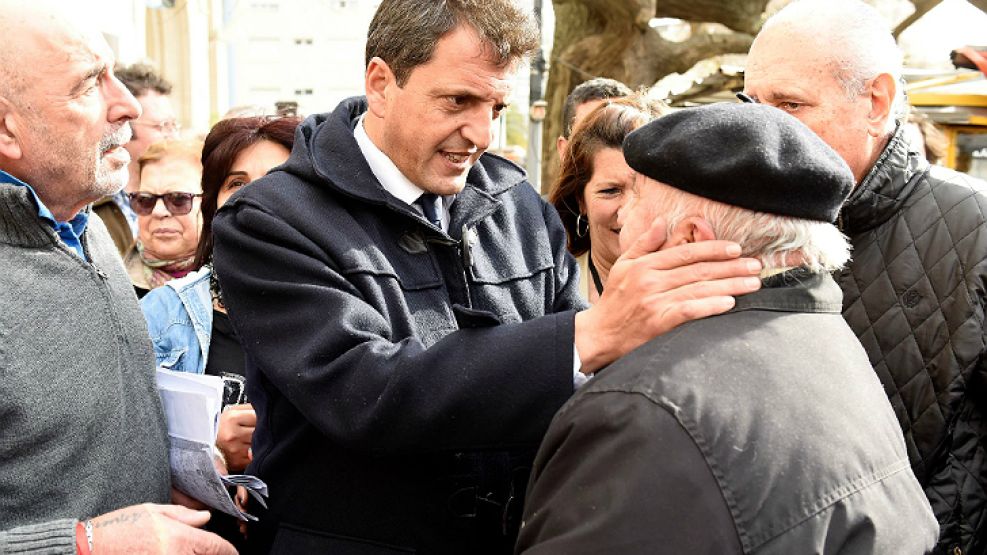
x=109 y=176
x=75 y=175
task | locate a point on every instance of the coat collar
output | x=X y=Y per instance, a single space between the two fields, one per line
x=886 y=187
x=796 y=290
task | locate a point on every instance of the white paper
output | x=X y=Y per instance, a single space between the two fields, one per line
x=192 y=405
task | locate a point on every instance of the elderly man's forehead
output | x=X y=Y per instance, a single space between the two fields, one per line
x=59 y=27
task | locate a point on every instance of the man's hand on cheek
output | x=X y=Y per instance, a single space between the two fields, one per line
x=650 y=292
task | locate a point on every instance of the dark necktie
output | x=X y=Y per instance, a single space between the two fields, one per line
x=431 y=205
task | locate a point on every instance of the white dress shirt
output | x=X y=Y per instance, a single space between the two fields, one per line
x=392 y=179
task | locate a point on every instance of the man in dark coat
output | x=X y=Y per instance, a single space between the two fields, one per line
x=408 y=309
x=914 y=293
x=762 y=430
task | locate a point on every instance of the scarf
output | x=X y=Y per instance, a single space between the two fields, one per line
x=159 y=272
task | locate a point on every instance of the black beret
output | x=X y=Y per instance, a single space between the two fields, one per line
x=747 y=155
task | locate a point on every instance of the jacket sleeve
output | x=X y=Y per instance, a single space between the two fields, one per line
x=618 y=474
x=49 y=538
x=316 y=342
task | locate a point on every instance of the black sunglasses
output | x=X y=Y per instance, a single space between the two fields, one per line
x=178 y=204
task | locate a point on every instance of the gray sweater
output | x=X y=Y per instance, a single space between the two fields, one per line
x=81 y=427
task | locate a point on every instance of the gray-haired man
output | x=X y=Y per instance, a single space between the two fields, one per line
x=83 y=445
x=914 y=291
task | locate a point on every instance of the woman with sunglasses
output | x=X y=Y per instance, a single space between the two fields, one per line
x=187 y=319
x=168 y=218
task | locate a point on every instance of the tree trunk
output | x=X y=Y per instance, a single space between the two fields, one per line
x=611 y=38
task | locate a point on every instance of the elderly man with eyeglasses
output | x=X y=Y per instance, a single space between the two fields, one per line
x=156 y=123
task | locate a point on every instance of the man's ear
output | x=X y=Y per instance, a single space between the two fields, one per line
x=10 y=146
x=560 y=144
x=883 y=90
x=690 y=230
x=377 y=81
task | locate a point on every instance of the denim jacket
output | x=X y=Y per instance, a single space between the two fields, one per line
x=179 y=319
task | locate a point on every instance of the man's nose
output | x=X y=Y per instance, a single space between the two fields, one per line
x=624 y=208
x=478 y=128
x=121 y=106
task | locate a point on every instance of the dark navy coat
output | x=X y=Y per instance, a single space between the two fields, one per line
x=403 y=377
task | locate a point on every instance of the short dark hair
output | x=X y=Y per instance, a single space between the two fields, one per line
x=598 y=88
x=141 y=79
x=225 y=141
x=404 y=33
x=604 y=127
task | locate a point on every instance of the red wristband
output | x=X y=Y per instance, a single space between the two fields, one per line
x=81 y=543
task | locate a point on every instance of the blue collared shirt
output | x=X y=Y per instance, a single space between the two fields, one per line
x=69 y=232
x=123 y=201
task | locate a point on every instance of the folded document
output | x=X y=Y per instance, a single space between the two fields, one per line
x=192 y=404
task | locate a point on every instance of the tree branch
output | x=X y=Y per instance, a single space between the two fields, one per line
x=657 y=57
x=922 y=7
x=982 y=4
x=744 y=16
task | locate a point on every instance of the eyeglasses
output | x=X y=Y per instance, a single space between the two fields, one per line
x=178 y=204
x=170 y=127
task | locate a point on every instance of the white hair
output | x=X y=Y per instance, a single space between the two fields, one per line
x=777 y=241
x=859 y=42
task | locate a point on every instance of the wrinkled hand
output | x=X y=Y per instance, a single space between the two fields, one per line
x=236 y=429
x=649 y=293
x=156 y=529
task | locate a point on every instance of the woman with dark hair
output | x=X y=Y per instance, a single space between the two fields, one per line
x=590 y=189
x=186 y=318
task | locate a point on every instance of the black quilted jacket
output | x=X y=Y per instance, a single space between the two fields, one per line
x=915 y=296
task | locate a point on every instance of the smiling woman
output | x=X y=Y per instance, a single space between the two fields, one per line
x=168 y=215
x=590 y=189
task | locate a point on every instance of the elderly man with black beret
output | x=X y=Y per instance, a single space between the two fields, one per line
x=762 y=430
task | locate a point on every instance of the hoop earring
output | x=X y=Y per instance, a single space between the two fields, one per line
x=582 y=226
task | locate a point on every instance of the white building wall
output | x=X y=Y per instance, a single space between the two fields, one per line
x=123 y=24
x=309 y=51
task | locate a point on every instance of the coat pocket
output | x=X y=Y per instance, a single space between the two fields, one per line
x=295 y=540
x=170 y=360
